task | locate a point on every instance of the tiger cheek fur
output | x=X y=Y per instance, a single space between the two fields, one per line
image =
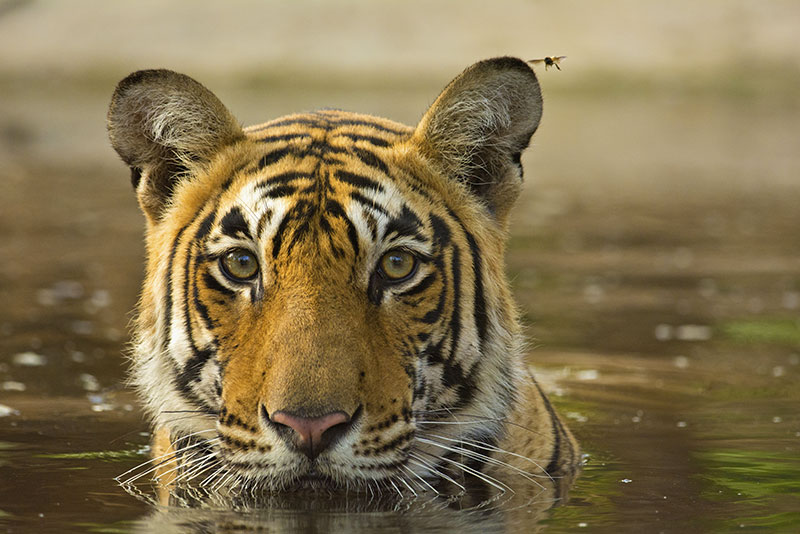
x=325 y=293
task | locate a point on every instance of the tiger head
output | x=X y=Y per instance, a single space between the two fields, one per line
x=325 y=292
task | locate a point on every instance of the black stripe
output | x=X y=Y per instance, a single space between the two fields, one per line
x=357 y=180
x=375 y=125
x=191 y=370
x=433 y=315
x=406 y=224
x=479 y=311
x=424 y=284
x=371 y=139
x=229 y=181
x=371 y=222
x=301 y=230
x=205 y=228
x=375 y=289
x=273 y=157
x=370 y=159
x=277 y=239
x=233 y=224
x=201 y=308
x=335 y=209
x=441 y=232
x=455 y=318
x=280 y=191
x=299 y=211
x=324 y=150
x=214 y=285
x=364 y=201
x=262 y=221
x=453 y=373
x=168 y=296
x=552 y=466
x=282 y=179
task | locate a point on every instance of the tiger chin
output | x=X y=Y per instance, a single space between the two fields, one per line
x=325 y=303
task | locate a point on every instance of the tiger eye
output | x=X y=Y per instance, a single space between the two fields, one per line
x=398 y=264
x=239 y=264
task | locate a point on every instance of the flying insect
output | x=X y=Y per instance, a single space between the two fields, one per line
x=550 y=61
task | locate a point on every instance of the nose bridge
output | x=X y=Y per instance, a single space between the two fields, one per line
x=316 y=351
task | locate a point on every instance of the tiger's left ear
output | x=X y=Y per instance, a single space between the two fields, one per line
x=478 y=127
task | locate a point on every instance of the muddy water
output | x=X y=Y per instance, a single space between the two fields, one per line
x=654 y=255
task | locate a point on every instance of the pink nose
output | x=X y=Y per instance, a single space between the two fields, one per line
x=313 y=434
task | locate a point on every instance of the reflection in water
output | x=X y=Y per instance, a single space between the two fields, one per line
x=481 y=509
x=503 y=499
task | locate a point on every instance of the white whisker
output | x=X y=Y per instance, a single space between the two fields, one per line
x=485 y=458
x=162 y=460
x=421 y=479
x=482 y=476
x=492 y=448
x=435 y=470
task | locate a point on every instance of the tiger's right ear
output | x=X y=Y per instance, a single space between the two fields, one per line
x=163 y=125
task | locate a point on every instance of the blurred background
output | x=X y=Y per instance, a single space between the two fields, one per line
x=655 y=250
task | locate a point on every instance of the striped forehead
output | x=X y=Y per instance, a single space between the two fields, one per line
x=320 y=167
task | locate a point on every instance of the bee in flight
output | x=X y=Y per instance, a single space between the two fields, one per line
x=548 y=61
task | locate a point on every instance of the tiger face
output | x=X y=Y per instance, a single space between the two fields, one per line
x=325 y=296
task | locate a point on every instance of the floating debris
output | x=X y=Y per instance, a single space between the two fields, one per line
x=684 y=332
x=663 y=332
x=12 y=385
x=682 y=258
x=83 y=328
x=681 y=424
x=59 y=292
x=89 y=382
x=29 y=359
x=681 y=362
x=5 y=411
x=593 y=293
x=98 y=400
x=693 y=332
x=791 y=300
x=587 y=374
x=707 y=288
x=626 y=480
x=575 y=416
x=100 y=298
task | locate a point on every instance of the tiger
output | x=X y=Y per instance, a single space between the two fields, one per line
x=325 y=303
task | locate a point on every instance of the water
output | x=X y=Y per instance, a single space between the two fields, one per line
x=655 y=257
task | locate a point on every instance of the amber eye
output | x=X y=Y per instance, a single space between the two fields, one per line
x=397 y=265
x=239 y=264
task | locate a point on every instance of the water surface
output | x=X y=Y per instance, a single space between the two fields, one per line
x=654 y=255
